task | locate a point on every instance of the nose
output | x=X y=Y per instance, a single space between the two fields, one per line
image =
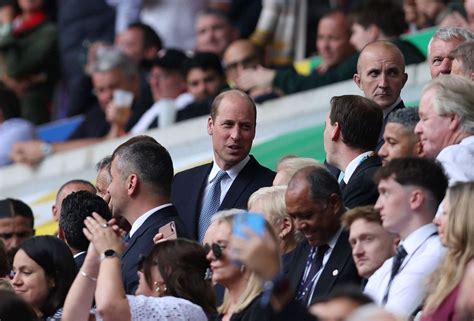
x=378 y=204
x=357 y=250
x=418 y=128
x=235 y=134
x=383 y=150
x=445 y=67
x=383 y=81
x=437 y=221
x=16 y=280
x=210 y=256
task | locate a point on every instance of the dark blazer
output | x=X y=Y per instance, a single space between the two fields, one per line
x=361 y=189
x=340 y=261
x=79 y=260
x=141 y=243
x=380 y=142
x=188 y=186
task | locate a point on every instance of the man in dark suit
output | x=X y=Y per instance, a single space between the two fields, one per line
x=74 y=209
x=350 y=136
x=323 y=261
x=142 y=171
x=381 y=76
x=234 y=173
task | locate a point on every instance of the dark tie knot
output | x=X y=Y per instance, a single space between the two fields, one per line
x=400 y=253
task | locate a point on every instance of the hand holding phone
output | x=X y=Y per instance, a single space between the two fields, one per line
x=168 y=231
x=249 y=221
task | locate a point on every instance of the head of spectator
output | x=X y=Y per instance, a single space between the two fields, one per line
x=67 y=188
x=463 y=60
x=446 y=114
x=112 y=70
x=139 y=42
x=455 y=227
x=411 y=190
x=76 y=207
x=352 y=127
x=214 y=32
x=14 y=308
x=440 y=46
x=16 y=224
x=204 y=76
x=242 y=285
x=142 y=171
x=371 y=243
x=181 y=264
x=399 y=135
x=166 y=78
x=240 y=55
x=333 y=38
x=338 y=305
x=289 y=165
x=271 y=202
x=43 y=271
x=4 y=263
x=372 y=312
x=103 y=178
x=381 y=73
x=389 y=22
x=232 y=125
x=314 y=202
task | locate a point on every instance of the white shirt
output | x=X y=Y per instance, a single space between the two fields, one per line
x=458 y=160
x=136 y=225
x=351 y=167
x=226 y=183
x=409 y=287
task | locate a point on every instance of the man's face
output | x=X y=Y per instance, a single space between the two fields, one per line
x=399 y=142
x=131 y=43
x=433 y=129
x=371 y=246
x=328 y=140
x=316 y=220
x=439 y=56
x=117 y=190
x=105 y=83
x=214 y=34
x=381 y=75
x=361 y=36
x=232 y=130
x=203 y=84
x=13 y=231
x=332 y=40
x=166 y=83
x=238 y=57
x=393 y=205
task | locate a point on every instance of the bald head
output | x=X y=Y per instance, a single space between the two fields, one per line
x=381 y=73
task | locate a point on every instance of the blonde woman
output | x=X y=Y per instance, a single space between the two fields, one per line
x=455 y=226
x=242 y=287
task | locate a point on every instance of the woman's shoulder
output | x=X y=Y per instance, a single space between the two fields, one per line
x=164 y=308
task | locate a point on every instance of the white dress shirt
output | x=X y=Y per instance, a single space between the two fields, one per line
x=352 y=166
x=458 y=160
x=408 y=290
x=138 y=223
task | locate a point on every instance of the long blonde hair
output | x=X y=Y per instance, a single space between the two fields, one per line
x=460 y=243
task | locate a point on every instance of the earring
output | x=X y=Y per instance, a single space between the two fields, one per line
x=159 y=289
x=208 y=274
x=242 y=268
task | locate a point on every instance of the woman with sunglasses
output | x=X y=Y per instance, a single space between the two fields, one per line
x=455 y=227
x=172 y=283
x=243 y=288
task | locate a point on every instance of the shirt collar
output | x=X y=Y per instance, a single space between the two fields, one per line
x=332 y=242
x=138 y=223
x=350 y=169
x=233 y=172
x=387 y=110
x=417 y=237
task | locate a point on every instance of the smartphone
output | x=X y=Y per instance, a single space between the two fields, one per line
x=169 y=231
x=249 y=221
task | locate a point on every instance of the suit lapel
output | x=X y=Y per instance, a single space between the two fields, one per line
x=338 y=259
x=239 y=185
x=373 y=160
x=298 y=264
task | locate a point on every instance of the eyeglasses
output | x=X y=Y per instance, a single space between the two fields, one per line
x=20 y=235
x=248 y=62
x=215 y=248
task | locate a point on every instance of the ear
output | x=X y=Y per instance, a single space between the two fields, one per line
x=336 y=203
x=374 y=32
x=132 y=184
x=417 y=198
x=405 y=78
x=454 y=121
x=286 y=227
x=335 y=132
x=210 y=125
x=356 y=79
x=54 y=209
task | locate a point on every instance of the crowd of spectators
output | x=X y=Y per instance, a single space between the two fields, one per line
x=382 y=230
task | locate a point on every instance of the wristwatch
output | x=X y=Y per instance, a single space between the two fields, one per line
x=108 y=253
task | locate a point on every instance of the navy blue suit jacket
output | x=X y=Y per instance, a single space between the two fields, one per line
x=188 y=186
x=141 y=243
x=339 y=270
x=361 y=189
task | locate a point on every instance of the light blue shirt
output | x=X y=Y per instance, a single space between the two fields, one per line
x=12 y=131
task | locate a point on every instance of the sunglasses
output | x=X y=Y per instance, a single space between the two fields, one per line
x=215 y=248
x=20 y=235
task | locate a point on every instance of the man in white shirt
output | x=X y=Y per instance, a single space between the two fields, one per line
x=410 y=191
x=352 y=129
x=446 y=125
